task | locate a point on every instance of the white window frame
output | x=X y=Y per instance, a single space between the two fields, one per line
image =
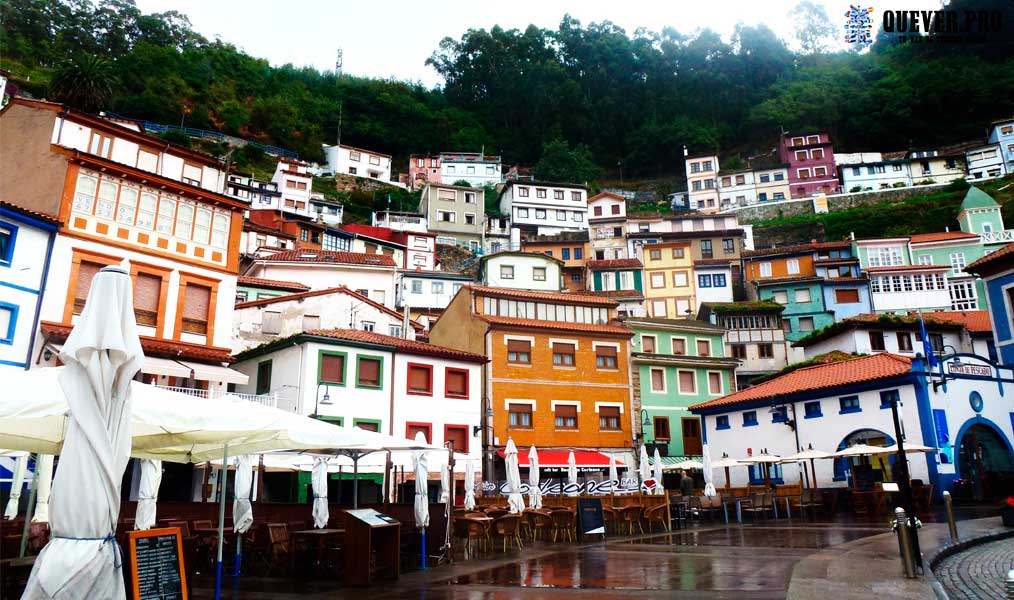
x=651 y=381
x=721 y=383
x=765 y=269
x=792 y=266
x=679 y=383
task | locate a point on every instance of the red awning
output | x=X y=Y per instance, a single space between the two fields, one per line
x=558 y=458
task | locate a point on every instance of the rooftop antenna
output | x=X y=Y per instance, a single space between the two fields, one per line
x=339 y=59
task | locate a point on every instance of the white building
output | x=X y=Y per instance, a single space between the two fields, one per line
x=399 y=221
x=328 y=211
x=257 y=239
x=265 y=319
x=476 y=168
x=545 y=208
x=873 y=170
x=702 y=181
x=755 y=336
x=348 y=160
x=607 y=225
x=355 y=378
x=985 y=162
x=714 y=281
x=737 y=188
x=294 y=184
x=1002 y=132
x=26 y=238
x=936 y=166
x=522 y=271
x=427 y=293
x=371 y=275
x=260 y=194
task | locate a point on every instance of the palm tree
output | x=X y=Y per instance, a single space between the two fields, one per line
x=85 y=82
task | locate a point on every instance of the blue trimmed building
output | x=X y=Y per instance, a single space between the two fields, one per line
x=26 y=245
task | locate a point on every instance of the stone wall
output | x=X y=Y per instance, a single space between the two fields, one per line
x=836 y=202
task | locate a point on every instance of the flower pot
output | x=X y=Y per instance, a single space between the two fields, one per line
x=1007 y=516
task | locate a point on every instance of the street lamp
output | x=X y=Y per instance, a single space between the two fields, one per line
x=645 y=424
x=326 y=400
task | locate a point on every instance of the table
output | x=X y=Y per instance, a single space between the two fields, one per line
x=739 y=507
x=320 y=538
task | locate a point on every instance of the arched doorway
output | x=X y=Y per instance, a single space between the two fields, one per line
x=863 y=471
x=985 y=459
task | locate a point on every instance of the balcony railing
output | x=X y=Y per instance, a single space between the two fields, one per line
x=267 y=400
x=992 y=237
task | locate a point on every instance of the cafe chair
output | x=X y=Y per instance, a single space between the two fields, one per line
x=631 y=515
x=281 y=551
x=657 y=514
x=563 y=524
x=508 y=527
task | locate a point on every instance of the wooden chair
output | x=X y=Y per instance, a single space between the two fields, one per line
x=539 y=520
x=281 y=551
x=657 y=514
x=563 y=524
x=632 y=515
x=611 y=518
x=760 y=504
x=469 y=532
x=508 y=527
x=496 y=513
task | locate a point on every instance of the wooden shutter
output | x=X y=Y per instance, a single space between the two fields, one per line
x=846 y=296
x=714 y=383
x=661 y=428
x=647 y=344
x=412 y=430
x=196 y=304
x=419 y=379
x=566 y=410
x=606 y=351
x=518 y=346
x=687 y=381
x=369 y=372
x=332 y=368
x=679 y=347
x=368 y=426
x=657 y=379
x=703 y=348
x=86 y=270
x=458 y=437
x=457 y=383
x=147 y=291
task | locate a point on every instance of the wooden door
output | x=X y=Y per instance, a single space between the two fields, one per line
x=692 y=436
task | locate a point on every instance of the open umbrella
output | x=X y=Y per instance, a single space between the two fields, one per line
x=572 y=472
x=687 y=464
x=725 y=463
x=764 y=459
x=43 y=489
x=469 y=485
x=102 y=354
x=910 y=448
x=614 y=476
x=534 y=493
x=514 y=497
x=709 y=484
x=421 y=506
x=811 y=455
x=644 y=468
x=659 y=488
x=147 y=493
x=860 y=450
x=17 y=484
x=318 y=481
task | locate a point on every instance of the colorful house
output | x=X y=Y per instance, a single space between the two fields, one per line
x=1002 y=132
x=702 y=181
x=607 y=226
x=669 y=272
x=997 y=273
x=810 y=157
x=522 y=270
x=619 y=279
x=754 y=337
x=571 y=247
x=676 y=364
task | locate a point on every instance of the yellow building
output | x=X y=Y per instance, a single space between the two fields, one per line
x=669 y=288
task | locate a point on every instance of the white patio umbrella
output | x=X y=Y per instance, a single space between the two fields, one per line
x=45 y=486
x=709 y=483
x=911 y=448
x=614 y=476
x=421 y=505
x=687 y=464
x=17 y=484
x=514 y=498
x=444 y=485
x=765 y=459
x=534 y=492
x=659 y=488
x=469 y=485
x=860 y=450
x=644 y=468
x=147 y=493
x=572 y=471
x=242 y=512
x=726 y=463
x=811 y=455
x=102 y=354
x=318 y=482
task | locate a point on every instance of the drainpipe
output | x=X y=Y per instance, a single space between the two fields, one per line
x=42 y=293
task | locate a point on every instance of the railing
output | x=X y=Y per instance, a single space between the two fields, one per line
x=267 y=400
x=992 y=237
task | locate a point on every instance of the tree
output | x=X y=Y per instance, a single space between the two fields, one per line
x=462 y=183
x=560 y=164
x=86 y=82
x=813 y=29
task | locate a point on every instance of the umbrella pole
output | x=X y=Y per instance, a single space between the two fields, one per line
x=423 y=548
x=221 y=519
x=355 y=481
x=30 y=509
x=728 y=485
x=813 y=470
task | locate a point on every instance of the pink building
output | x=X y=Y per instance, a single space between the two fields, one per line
x=423 y=168
x=811 y=163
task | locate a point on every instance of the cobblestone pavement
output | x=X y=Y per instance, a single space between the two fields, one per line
x=977 y=573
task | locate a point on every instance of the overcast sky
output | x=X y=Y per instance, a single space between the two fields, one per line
x=394 y=38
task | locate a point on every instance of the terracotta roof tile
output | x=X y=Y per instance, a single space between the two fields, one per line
x=987 y=260
x=618 y=294
x=924 y=238
x=798 y=248
x=273 y=284
x=547 y=296
x=557 y=325
x=975 y=321
x=335 y=290
x=330 y=257
x=846 y=372
x=399 y=344
x=156 y=347
x=615 y=263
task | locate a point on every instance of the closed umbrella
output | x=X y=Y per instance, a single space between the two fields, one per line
x=709 y=483
x=644 y=468
x=572 y=473
x=614 y=476
x=17 y=484
x=318 y=481
x=534 y=493
x=469 y=485
x=659 y=488
x=102 y=354
x=444 y=487
x=45 y=486
x=422 y=502
x=242 y=512
x=514 y=497
x=147 y=493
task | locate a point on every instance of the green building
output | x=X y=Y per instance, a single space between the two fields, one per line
x=255 y=288
x=677 y=363
x=803 y=299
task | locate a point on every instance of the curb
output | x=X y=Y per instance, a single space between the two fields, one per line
x=952 y=549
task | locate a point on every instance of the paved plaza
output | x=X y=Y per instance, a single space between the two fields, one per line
x=977 y=573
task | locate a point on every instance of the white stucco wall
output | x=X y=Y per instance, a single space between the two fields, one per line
x=523 y=273
x=20 y=283
x=322 y=276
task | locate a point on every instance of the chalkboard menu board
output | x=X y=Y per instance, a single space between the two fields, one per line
x=157 y=570
x=590 y=517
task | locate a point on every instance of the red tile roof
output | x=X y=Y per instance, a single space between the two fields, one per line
x=324 y=292
x=987 y=261
x=906 y=268
x=330 y=257
x=156 y=347
x=273 y=284
x=249 y=225
x=618 y=294
x=925 y=238
x=381 y=233
x=797 y=248
x=399 y=344
x=557 y=325
x=842 y=373
x=615 y=263
x=559 y=297
x=975 y=321
x=47 y=218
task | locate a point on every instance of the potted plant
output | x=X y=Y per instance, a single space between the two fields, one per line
x=1007 y=511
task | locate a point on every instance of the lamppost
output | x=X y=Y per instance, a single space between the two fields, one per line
x=645 y=423
x=326 y=400
x=791 y=423
x=905 y=484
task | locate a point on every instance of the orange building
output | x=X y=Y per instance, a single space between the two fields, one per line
x=571 y=247
x=558 y=375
